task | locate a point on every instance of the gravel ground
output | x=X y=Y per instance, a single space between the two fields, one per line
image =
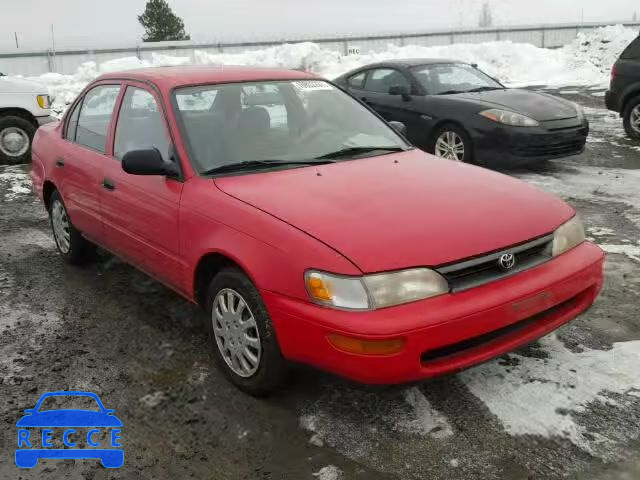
x=567 y=406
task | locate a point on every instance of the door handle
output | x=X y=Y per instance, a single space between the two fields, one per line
x=108 y=184
x=60 y=162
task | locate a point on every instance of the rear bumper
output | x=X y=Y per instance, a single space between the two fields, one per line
x=612 y=101
x=444 y=334
x=516 y=146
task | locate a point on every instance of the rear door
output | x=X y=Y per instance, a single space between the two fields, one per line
x=80 y=161
x=629 y=64
x=140 y=212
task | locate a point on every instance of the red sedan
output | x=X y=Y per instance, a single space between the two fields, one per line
x=307 y=227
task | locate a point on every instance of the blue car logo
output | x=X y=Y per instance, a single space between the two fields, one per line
x=31 y=448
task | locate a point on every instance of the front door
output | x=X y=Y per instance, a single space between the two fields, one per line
x=141 y=212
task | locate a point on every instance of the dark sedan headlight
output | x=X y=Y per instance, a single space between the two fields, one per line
x=507 y=117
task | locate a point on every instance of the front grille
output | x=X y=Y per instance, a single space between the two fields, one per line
x=550 y=150
x=481 y=340
x=480 y=270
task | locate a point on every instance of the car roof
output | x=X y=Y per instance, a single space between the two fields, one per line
x=410 y=62
x=177 y=76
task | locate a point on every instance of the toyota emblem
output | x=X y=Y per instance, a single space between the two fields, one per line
x=507 y=261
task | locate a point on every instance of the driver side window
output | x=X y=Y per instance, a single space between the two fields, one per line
x=140 y=124
x=381 y=79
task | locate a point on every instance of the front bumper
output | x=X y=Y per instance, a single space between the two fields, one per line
x=447 y=333
x=506 y=147
x=46 y=119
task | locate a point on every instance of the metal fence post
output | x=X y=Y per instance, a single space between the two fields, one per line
x=345 y=48
x=544 y=40
x=49 y=60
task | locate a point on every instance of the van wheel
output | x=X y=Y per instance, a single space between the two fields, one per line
x=631 y=117
x=16 y=135
x=244 y=341
x=72 y=246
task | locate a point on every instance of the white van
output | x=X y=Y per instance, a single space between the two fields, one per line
x=24 y=106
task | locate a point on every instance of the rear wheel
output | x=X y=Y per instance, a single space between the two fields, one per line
x=72 y=246
x=631 y=117
x=16 y=134
x=244 y=341
x=453 y=143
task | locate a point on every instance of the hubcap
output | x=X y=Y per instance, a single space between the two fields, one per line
x=236 y=333
x=14 y=142
x=60 y=222
x=450 y=145
x=635 y=118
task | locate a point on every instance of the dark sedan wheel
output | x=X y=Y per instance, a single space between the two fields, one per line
x=453 y=143
x=244 y=342
x=631 y=116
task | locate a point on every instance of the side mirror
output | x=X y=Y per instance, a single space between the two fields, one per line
x=399 y=127
x=401 y=90
x=147 y=162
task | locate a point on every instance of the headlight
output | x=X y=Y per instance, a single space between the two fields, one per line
x=374 y=291
x=507 y=117
x=567 y=236
x=44 y=101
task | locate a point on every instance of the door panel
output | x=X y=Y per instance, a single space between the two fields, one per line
x=141 y=213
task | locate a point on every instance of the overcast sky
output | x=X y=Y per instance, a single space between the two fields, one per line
x=113 y=23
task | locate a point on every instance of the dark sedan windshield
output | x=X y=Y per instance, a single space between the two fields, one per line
x=449 y=78
x=277 y=124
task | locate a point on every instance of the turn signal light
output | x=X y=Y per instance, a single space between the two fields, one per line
x=366 y=347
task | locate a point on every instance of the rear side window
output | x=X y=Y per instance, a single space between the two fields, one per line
x=140 y=124
x=382 y=79
x=632 y=52
x=95 y=117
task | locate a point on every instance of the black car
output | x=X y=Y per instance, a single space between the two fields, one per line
x=456 y=111
x=623 y=95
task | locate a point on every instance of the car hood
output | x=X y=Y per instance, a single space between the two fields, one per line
x=539 y=106
x=69 y=418
x=403 y=210
x=20 y=85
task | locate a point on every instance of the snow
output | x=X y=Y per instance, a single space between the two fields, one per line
x=152 y=400
x=584 y=62
x=330 y=472
x=631 y=251
x=539 y=396
x=426 y=420
x=18 y=183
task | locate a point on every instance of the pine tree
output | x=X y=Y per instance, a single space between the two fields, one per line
x=161 y=24
x=486 y=19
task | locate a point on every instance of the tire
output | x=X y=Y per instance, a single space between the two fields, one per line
x=444 y=133
x=269 y=373
x=72 y=246
x=631 y=118
x=16 y=135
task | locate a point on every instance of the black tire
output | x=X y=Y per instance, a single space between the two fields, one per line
x=460 y=132
x=20 y=125
x=80 y=251
x=272 y=368
x=630 y=108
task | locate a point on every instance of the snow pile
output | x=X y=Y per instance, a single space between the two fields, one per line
x=330 y=472
x=14 y=182
x=541 y=396
x=586 y=61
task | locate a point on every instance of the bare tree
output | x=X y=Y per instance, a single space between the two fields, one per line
x=486 y=18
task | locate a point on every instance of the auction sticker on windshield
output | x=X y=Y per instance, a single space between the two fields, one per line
x=307 y=85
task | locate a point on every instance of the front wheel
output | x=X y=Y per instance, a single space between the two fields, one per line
x=16 y=135
x=631 y=117
x=244 y=341
x=453 y=143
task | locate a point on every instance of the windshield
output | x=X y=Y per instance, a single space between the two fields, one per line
x=449 y=78
x=281 y=121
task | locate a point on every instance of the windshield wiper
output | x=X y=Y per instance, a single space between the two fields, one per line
x=449 y=92
x=258 y=164
x=345 y=152
x=484 y=89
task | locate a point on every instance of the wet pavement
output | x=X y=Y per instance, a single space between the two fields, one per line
x=567 y=406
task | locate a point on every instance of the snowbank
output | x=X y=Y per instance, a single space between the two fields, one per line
x=586 y=61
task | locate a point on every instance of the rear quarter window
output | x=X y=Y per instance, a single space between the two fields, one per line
x=632 y=52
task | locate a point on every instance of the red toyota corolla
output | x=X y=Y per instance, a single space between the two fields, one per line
x=307 y=227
